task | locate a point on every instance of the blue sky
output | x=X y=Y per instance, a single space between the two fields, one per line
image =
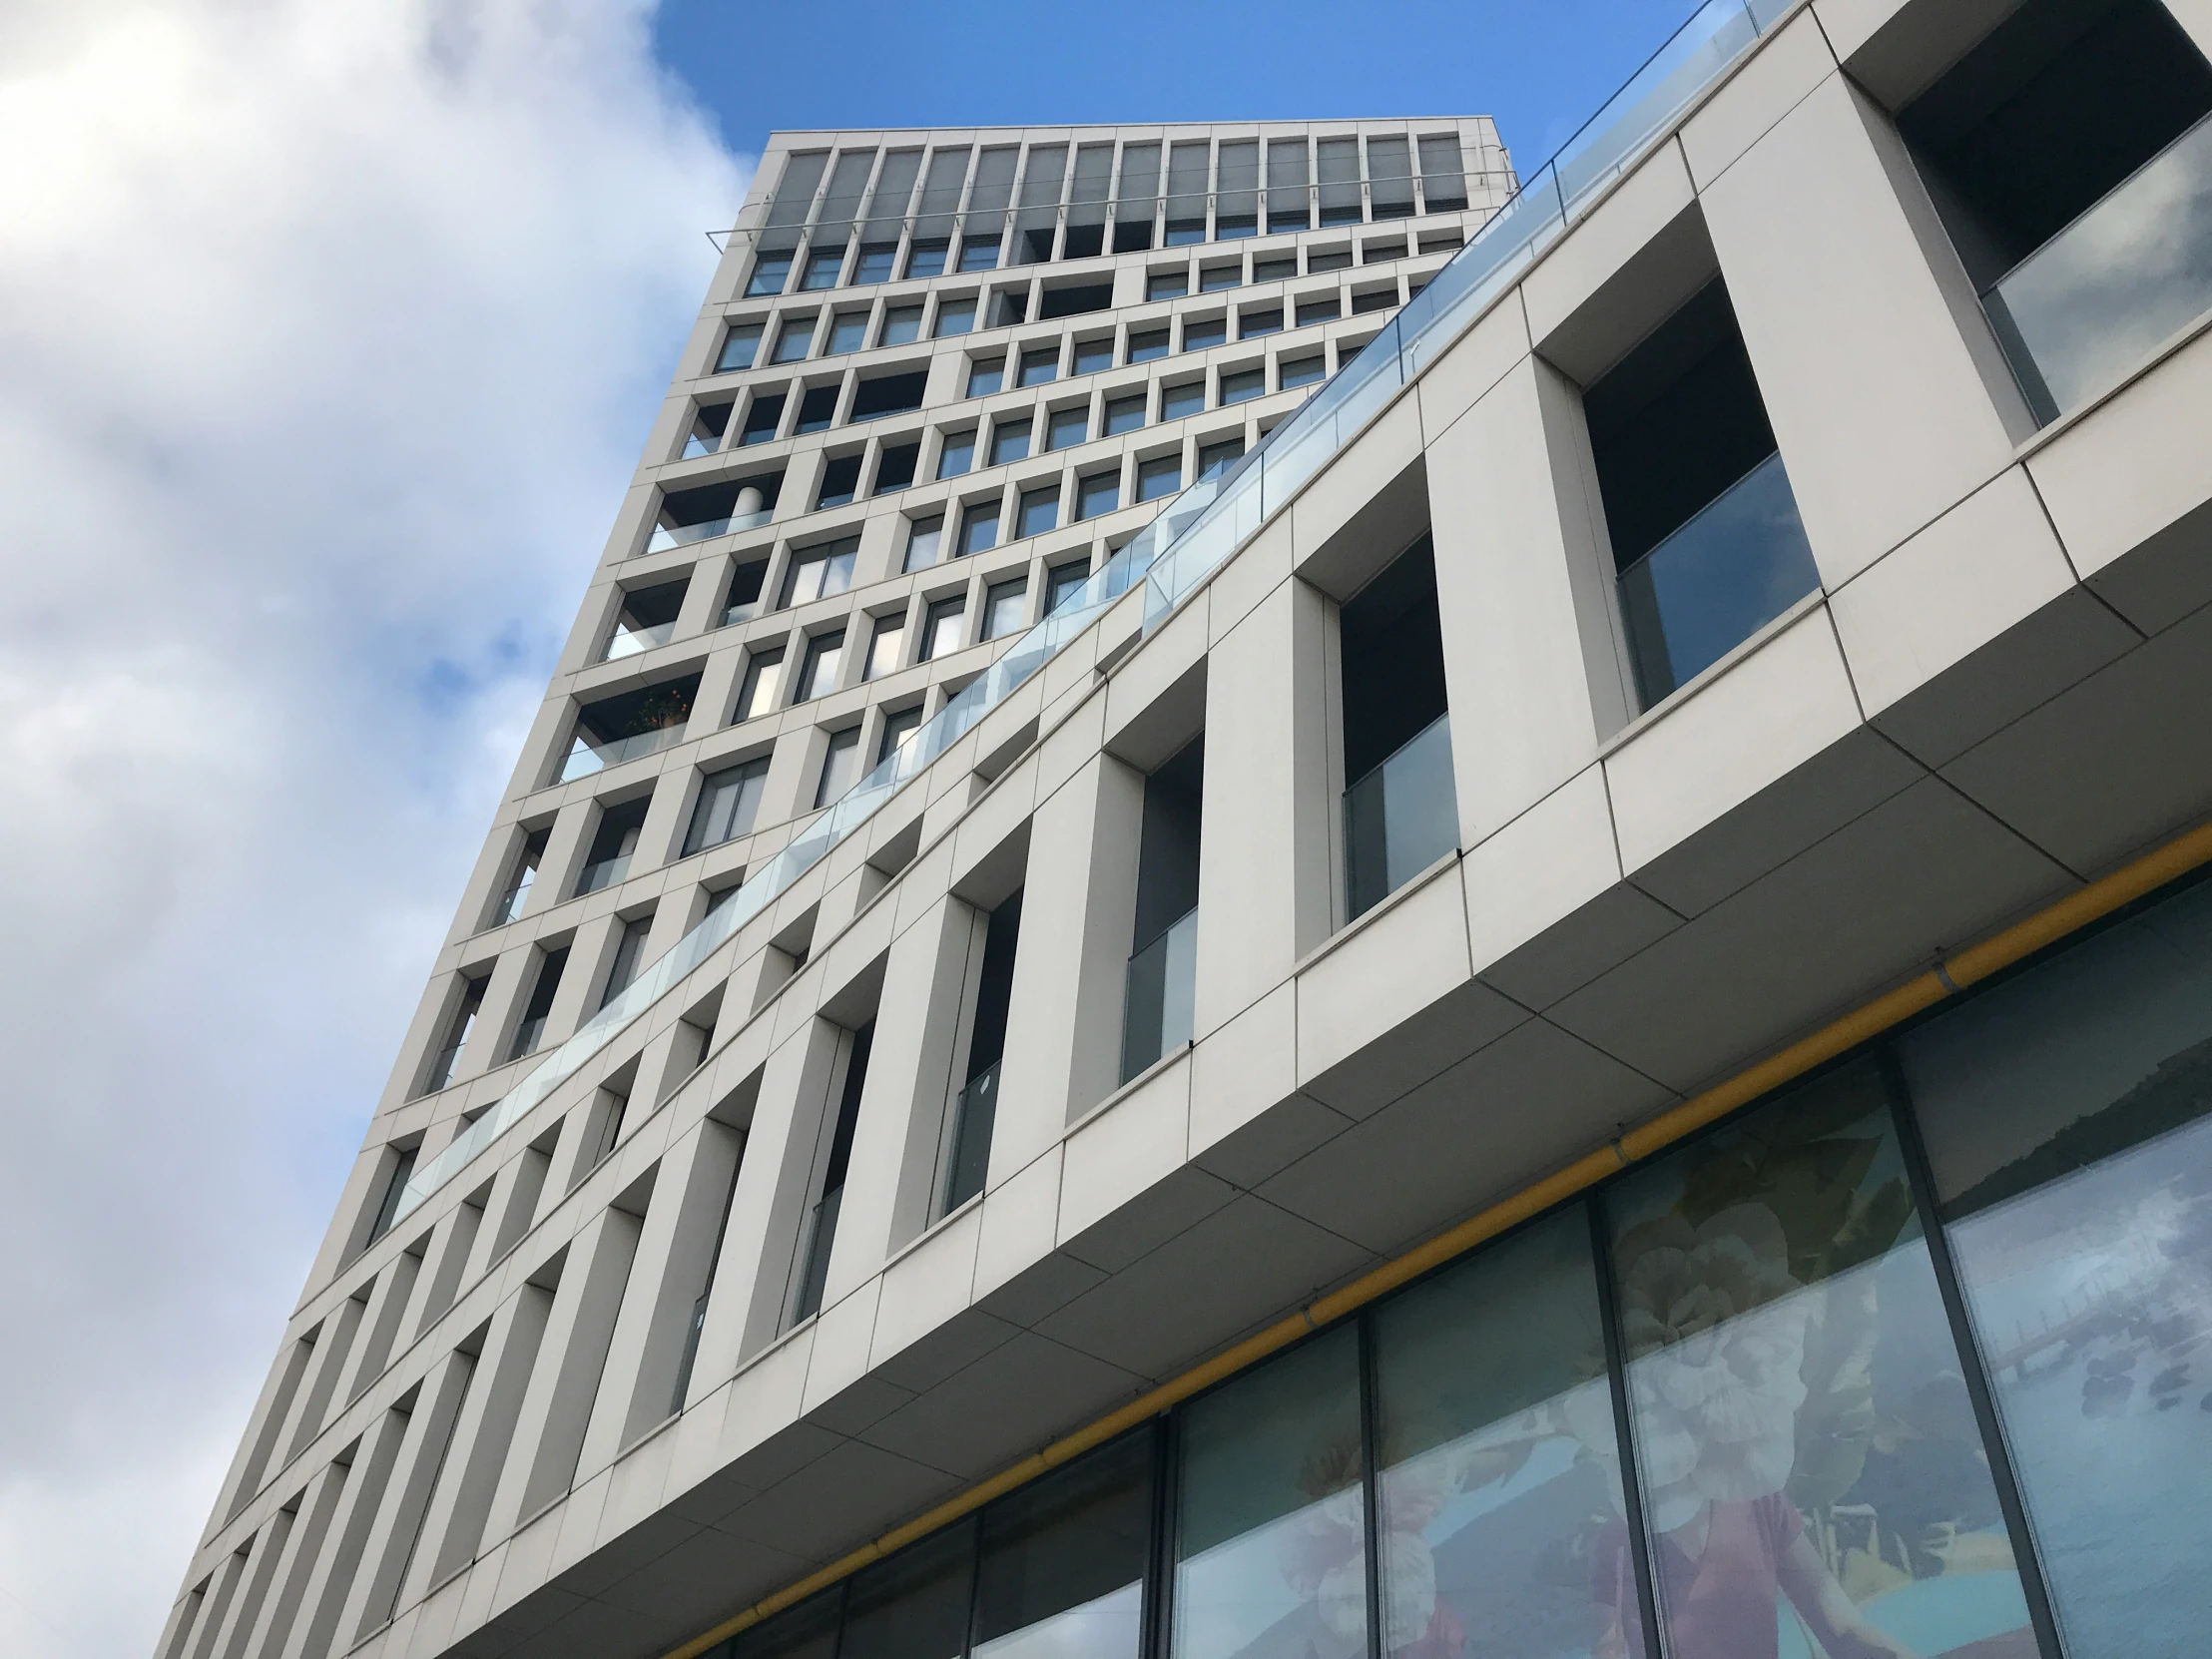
x=1539 y=67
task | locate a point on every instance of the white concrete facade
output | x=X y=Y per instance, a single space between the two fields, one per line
x=1997 y=690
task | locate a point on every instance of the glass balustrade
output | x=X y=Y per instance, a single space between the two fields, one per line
x=1400 y=817
x=666 y=536
x=1163 y=981
x=1736 y=565
x=587 y=756
x=628 y=641
x=1198 y=530
x=975 y=1115
x=2125 y=277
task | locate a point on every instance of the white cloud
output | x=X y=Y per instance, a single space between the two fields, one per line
x=329 y=334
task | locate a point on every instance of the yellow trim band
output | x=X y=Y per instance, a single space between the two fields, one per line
x=1953 y=974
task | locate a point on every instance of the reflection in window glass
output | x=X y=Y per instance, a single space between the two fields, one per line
x=979 y=253
x=818 y=675
x=848 y=332
x=1167 y=284
x=1500 y=1465
x=1197 y=337
x=1161 y=477
x=979 y=528
x=1809 y=1452
x=1186 y=399
x=727 y=802
x=1039 y=510
x=902 y=325
x=898 y=726
x=927 y=258
x=738 y=347
x=1091 y=355
x=940 y=629
x=882 y=646
x=914 y=1605
x=958 y=454
x=874 y=265
x=955 y=317
x=1068 y=427
x=764 y=672
x=1010 y=439
x=822 y=571
x=1302 y=372
x=1124 y=415
x=1063 y=580
x=822 y=267
x=986 y=376
x=1214 y=459
x=1146 y=346
x=1243 y=387
x=770 y=275
x=2065 y=1120
x=1097 y=494
x=840 y=764
x=1004 y=604
x=792 y=342
x=924 y=537
x=1062 y=1568
x=1040 y=366
x=1269 y=1554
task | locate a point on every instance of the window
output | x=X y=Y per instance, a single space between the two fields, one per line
x=739 y=346
x=979 y=253
x=1161 y=976
x=1242 y=387
x=727 y=802
x=888 y=395
x=1182 y=233
x=894 y=469
x=1098 y=494
x=924 y=537
x=1401 y=811
x=1167 y=284
x=1326 y=309
x=901 y=325
x=955 y=317
x=1009 y=307
x=743 y=602
x=1302 y=372
x=530 y=1031
x=848 y=332
x=1381 y=253
x=1251 y=324
x=898 y=729
x=927 y=259
x=1187 y=398
x=762 y=419
x=986 y=375
x=516 y=893
x=958 y=454
x=608 y=859
x=882 y=646
x=1319 y=259
x=447 y=1058
x=841 y=764
x=816 y=410
x=1147 y=346
x=1124 y=415
x=1080 y=301
x=975 y=1109
x=819 y=572
x=941 y=628
x=1274 y=271
x=708 y=423
x=1200 y=333
x=1441 y=242
x=817 y=674
x=764 y=673
x=1040 y=364
x=1003 y=605
x=1214 y=459
x=395 y=1188
x=1011 y=438
x=1061 y=581
x=1375 y=300
x=1039 y=511
x=823 y=267
x=841 y=482
x=793 y=339
x=613 y=729
x=646 y=619
x=1093 y=355
x=1443 y=179
x=1228 y=226
x=1160 y=477
x=1064 y=428
x=629 y=950
x=874 y=264
x=1214 y=278
x=1084 y=241
x=769 y=273
x=979 y=527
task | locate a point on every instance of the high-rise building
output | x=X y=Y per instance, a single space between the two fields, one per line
x=1284 y=898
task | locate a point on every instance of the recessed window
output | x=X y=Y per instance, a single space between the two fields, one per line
x=708 y=423
x=1326 y=309
x=1003 y=606
x=1214 y=278
x=955 y=317
x=793 y=339
x=1010 y=307
x=1167 y=284
x=1124 y=415
x=743 y=602
x=986 y=375
x=522 y=878
x=1302 y=371
x=1214 y=459
x=882 y=646
x=1084 y=241
x=1040 y=366
x=886 y=395
x=1200 y=333
x=1229 y=227
x=894 y=470
x=1274 y=271
x=1067 y=428
x=979 y=253
x=1182 y=233
x=1010 y=439
x=821 y=571
x=924 y=542
x=1091 y=355
x=940 y=629
x=840 y=764
x=646 y=619
x=818 y=673
x=979 y=528
x=1161 y=477
x=841 y=482
x=530 y=1031
x=1062 y=581
x=1379 y=253
x=1441 y=242
x=874 y=264
x=762 y=419
x=1180 y=400
x=1080 y=301
x=902 y=325
x=612 y=846
x=769 y=273
x=729 y=801
x=1251 y=324
x=848 y=332
x=763 y=674
x=817 y=409
x=447 y=1058
x=823 y=267
x=927 y=258
x=1039 y=511
x=958 y=454
x=628 y=954
x=740 y=348
x=1097 y=494
x=898 y=729
x=1319 y=259
x=1242 y=387
x=1375 y=300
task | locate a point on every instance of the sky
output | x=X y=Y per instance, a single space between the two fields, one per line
x=328 y=338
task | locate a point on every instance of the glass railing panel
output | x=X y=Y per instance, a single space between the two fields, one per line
x=974 y=1114
x=822 y=1237
x=1508 y=245
x=1675 y=75
x=2106 y=291
x=667 y=536
x=1163 y=981
x=1400 y=817
x=628 y=641
x=1727 y=573
x=604 y=874
x=587 y=756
